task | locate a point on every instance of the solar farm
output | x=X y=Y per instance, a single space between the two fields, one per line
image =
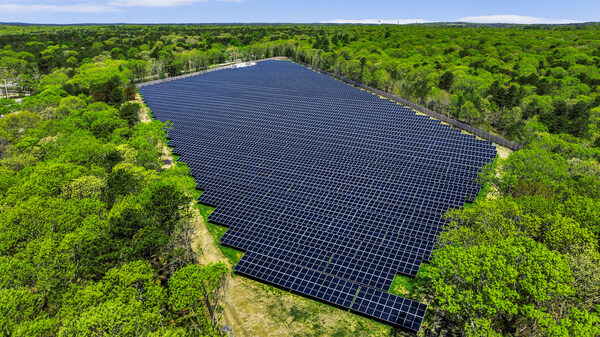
x=328 y=189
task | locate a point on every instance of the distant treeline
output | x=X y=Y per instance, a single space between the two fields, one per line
x=492 y=78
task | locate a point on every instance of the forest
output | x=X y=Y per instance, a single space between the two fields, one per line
x=95 y=233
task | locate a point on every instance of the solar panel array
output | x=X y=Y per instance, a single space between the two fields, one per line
x=330 y=190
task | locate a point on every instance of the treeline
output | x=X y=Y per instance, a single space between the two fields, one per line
x=95 y=237
x=494 y=78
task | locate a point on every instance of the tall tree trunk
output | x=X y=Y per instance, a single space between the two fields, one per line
x=5 y=88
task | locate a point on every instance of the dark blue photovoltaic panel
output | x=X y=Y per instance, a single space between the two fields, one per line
x=330 y=190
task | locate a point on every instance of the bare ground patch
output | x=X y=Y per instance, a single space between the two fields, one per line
x=257 y=309
x=503 y=152
x=166 y=157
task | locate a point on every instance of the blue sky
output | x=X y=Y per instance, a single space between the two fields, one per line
x=372 y=11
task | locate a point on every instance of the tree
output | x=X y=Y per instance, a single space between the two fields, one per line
x=556 y=120
x=148 y=140
x=503 y=287
x=103 y=80
x=130 y=113
x=532 y=130
x=511 y=121
x=125 y=179
x=110 y=91
x=132 y=52
x=536 y=218
x=456 y=103
x=56 y=78
x=470 y=113
x=198 y=294
x=128 y=301
x=102 y=120
x=446 y=80
x=579 y=116
x=81 y=147
x=138 y=69
x=129 y=93
x=167 y=205
x=546 y=168
x=85 y=187
x=7 y=106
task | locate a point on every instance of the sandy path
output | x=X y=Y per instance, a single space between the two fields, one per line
x=256 y=309
x=245 y=310
x=165 y=156
x=503 y=152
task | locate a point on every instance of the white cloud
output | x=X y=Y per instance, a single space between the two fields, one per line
x=75 y=8
x=378 y=22
x=152 y=3
x=159 y=3
x=516 y=19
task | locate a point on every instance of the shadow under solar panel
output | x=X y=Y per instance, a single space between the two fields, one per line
x=330 y=190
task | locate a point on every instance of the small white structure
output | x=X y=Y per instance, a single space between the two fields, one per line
x=245 y=64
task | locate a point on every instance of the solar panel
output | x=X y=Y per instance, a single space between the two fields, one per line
x=330 y=190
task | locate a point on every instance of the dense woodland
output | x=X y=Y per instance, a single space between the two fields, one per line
x=94 y=234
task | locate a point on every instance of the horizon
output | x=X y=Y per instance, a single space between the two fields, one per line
x=350 y=22
x=77 y=12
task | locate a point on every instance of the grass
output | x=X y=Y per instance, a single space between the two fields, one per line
x=306 y=317
x=234 y=256
x=298 y=313
x=402 y=285
x=411 y=287
x=485 y=189
x=482 y=195
x=217 y=232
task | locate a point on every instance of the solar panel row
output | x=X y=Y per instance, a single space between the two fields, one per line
x=339 y=292
x=330 y=190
